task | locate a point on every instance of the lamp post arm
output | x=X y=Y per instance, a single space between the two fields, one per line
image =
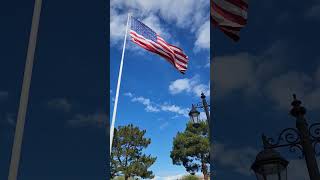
x=288 y=137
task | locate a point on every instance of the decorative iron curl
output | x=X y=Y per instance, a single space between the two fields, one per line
x=314 y=132
x=200 y=105
x=293 y=149
x=316 y=146
x=288 y=137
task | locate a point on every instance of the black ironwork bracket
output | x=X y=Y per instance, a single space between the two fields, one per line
x=199 y=105
x=289 y=137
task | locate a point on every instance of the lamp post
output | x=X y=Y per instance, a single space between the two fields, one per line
x=194 y=113
x=304 y=138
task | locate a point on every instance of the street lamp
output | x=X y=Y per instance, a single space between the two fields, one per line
x=269 y=165
x=304 y=138
x=195 y=114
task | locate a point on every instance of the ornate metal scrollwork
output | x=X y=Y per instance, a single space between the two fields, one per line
x=316 y=146
x=289 y=137
x=294 y=148
x=314 y=134
x=199 y=105
x=314 y=131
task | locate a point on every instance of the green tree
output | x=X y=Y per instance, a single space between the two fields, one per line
x=190 y=177
x=127 y=158
x=191 y=149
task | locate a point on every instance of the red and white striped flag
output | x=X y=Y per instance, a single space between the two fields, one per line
x=145 y=37
x=230 y=16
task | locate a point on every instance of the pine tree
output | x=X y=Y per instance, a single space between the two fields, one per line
x=127 y=158
x=191 y=149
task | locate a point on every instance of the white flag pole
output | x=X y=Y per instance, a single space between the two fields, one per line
x=118 y=87
x=16 y=149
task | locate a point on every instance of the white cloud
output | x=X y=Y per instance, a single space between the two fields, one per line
x=247 y=72
x=174 y=176
x=129 y=94
x=266 y=75
x=179 y=86
x=208 y=63
x=203 y=37
x=203 y=116
x=314 y=11
x=281 y=88
x=60 y=103
x=3 y=94
x=117 y=26
x=317 y=74
x=164 y=125
x=312 y=99
x=297 y=169
x=175 y=109
x=189 y=14
x=10 y=119
x=233 y=72
x=306 y=87
x=239 y=159
x=170 y=177
x=191 y=85
x=158 y=107
x=96 y=120
x=182 y=12
x=146 y=102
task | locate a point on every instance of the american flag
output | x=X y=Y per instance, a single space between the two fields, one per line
x=145 y=37
x=230 y=16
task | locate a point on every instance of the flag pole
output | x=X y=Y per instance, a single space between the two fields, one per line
x=118 y=87
x=16 y=149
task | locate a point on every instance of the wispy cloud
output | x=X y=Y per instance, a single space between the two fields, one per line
x=266 y=75
x=238 y=159
x=147 y=103
x=10 y=119
x=96 y=119
x=164 y=125
x=173 y=176
x=192 y=85
x=3 y=95
x=151 y=106
x=314 y=11
x=60 y=104
x=129 y=94
x=248 y=72
x=175 y=109
x=297 y=169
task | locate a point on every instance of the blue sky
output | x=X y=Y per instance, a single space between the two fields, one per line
x=154 y=95
x=255 y=78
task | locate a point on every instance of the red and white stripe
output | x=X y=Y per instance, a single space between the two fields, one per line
x=230 y=16
x=172 y=54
